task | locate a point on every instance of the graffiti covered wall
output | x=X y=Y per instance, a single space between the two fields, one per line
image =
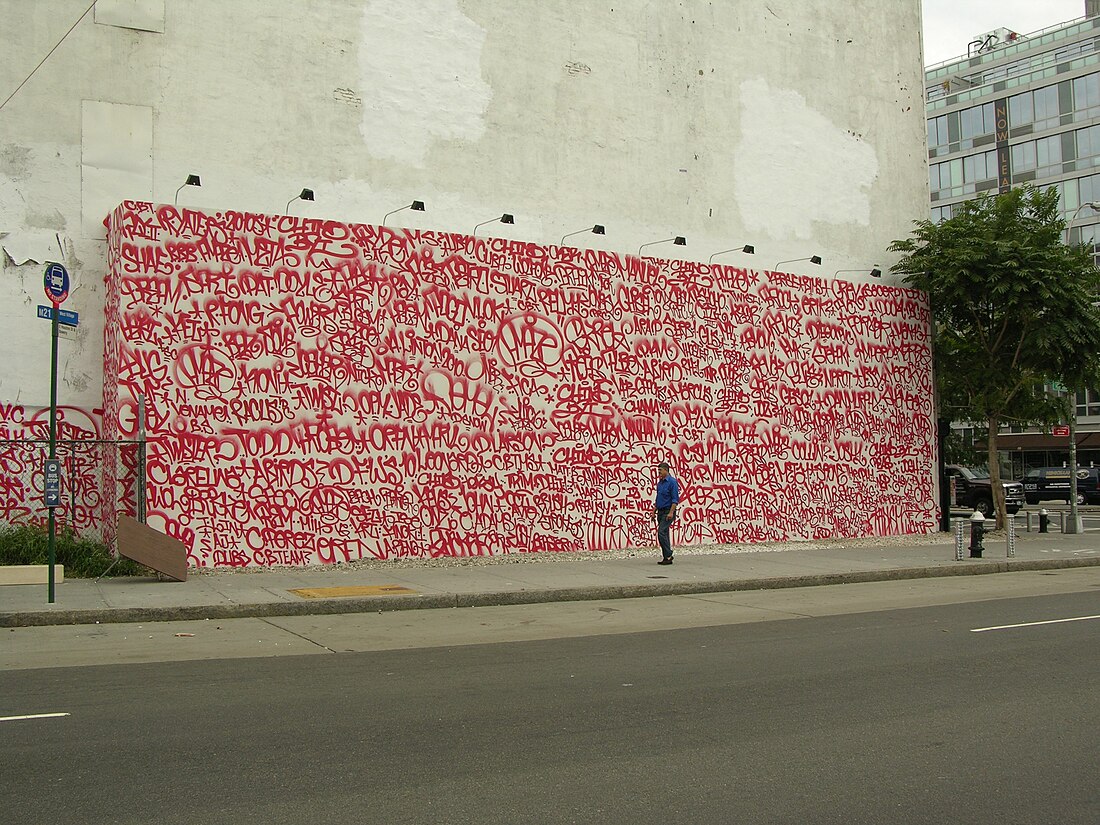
x=99 y=478
x=318 y=392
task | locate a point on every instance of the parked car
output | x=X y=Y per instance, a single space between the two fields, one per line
x=974 y=489
x=1045 y=483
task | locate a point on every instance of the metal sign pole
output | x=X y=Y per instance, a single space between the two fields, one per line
x=52 y=557
x=142 y=458
x=55 y=281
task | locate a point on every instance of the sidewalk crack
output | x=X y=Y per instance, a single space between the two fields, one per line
x=299 y=635
x=763 y=609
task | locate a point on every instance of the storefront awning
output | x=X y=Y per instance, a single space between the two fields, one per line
x=1089 y=440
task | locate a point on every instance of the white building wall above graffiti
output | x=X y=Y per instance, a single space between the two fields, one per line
x=635 y=116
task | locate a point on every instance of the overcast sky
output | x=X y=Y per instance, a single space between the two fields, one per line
x=949 y=25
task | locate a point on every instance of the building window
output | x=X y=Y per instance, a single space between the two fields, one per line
x=938 y=136
x=978 y=168
x=1039 y=107
x=1087 y=142
x=1067 y=195
x=942 y=213
x=1021 y=109
x=1046 y=108
x=976 y=122
x=1088 y=403
x=1048 y=156
x=1086 y=97
x=962 y=176
x=1087 y=235
x=1088 y=189
x=946 y=178
x=1023 y=157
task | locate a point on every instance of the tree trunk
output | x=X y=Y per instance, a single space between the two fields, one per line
x=996 y=487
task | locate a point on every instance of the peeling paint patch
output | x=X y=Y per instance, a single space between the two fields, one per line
x=15 y=161
x=790 y=149
x=27 y=246
x=347 y=96
x=46 y=220
x=79 y=382
x=421 y=78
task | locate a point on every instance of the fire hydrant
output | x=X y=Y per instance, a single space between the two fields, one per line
x=977 y=531
x=1044 y=520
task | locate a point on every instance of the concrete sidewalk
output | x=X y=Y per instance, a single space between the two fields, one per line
x=407 y=585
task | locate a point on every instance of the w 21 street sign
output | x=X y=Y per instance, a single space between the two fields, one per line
x=56 y=283
x=64 y=316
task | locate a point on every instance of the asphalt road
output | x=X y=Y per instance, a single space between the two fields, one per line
x=900 y=716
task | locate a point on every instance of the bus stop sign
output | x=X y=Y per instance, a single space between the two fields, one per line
x=51 y=472
x=56 y=282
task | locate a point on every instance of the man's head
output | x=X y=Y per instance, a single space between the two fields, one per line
x=662 y=469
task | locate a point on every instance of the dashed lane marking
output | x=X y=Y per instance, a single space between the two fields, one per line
x=31 y=716
x=1032 y=624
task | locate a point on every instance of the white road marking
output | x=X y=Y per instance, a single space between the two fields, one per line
x=1032 y=624
x=32 y=716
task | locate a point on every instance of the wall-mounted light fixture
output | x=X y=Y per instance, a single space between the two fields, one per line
x=875 y=273
x=679 y=240
x=304 y=195
x=192 y=180
x=415 y=206
x=595 y=230
x=507 y=217
x=814 y=259
x=748 y=249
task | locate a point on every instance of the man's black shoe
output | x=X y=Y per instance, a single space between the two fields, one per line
x=665 y=561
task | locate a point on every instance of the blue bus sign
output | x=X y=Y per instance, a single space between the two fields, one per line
x=56 y=283
x=64 y=316
x=51 y=472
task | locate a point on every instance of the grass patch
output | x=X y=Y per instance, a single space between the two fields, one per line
x=82 y=557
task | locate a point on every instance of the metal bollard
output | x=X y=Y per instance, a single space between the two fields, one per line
x=1011 y=539
x=959 y=543
x=977 y=531
x=1044 y=520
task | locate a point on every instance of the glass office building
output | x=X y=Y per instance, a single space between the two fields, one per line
x=1024 y=108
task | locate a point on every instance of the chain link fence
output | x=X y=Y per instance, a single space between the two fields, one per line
x=100 y=481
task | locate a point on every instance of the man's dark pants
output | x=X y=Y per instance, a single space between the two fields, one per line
x=663 y=539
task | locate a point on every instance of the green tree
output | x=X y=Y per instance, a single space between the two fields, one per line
x=1013 y=309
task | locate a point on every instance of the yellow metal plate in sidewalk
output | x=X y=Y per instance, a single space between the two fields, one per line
x=363 y=590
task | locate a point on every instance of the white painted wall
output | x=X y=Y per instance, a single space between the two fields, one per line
x=794 y=125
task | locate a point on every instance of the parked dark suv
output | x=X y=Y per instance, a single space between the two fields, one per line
x=1045 y=483
x=973 y=489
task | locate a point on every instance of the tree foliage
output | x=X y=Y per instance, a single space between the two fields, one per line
x=1013 y=311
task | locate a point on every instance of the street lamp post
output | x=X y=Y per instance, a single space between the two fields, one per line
x=1095 y=207
x=1074 y=524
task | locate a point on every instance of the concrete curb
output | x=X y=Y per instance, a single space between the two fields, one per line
x=378 y=604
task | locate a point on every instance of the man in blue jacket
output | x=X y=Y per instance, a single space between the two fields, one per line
x=668 y=498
